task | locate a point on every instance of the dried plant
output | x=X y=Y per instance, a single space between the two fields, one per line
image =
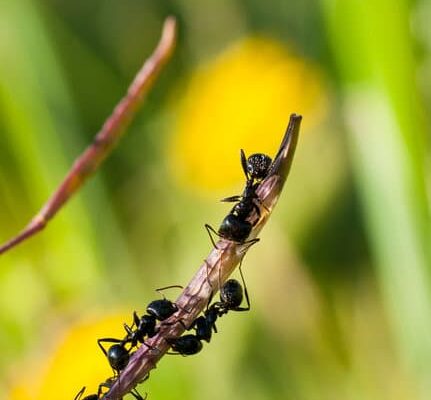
x=213 y=272
x=112 y=130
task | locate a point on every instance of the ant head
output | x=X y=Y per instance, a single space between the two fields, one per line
x=231 y=293
x=258 y=166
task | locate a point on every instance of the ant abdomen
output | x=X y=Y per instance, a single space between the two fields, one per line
x=234 y=228
x=118 y=357
x=186 y=345
x=231 y=293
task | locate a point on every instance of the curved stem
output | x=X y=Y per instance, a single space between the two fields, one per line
x=213 y=272
x=112 y=130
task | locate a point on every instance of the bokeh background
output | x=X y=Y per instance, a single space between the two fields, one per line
x=339 y=284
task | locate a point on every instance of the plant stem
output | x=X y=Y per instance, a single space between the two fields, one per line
x=214 y=271
x=104 y=142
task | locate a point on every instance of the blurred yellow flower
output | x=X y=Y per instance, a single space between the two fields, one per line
x=74 y=362
x=242 y=99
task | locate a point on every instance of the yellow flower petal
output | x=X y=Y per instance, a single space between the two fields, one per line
x=242 y=99
x=74 y=362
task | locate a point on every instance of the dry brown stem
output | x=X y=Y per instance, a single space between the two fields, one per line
x=216 y=269
x=112 y=130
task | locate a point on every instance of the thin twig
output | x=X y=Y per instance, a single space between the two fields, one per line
x=214 y=271
x=112 y=130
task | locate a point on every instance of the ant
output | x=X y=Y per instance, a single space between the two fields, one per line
x=158 y=310
x=231 y=296
x=107 y=384
x=235 y=227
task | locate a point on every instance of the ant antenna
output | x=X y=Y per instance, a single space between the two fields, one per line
x=159 y=290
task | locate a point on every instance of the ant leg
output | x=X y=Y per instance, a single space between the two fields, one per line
x=192 y=325
x=80 y=393
x=99 y=391
x=258 y=202
x=137 y=395
x=129 y=329
x=249 y=243
x=210 y=300
x=206 y=269
x=232 y=199
x=247 y=298
x=107 y=384
x=178 y=321
x=183 y=351
x=152 y=348
x=144 y=378
x=257 y=209
x=107 y=340
x=182 y=308
x=165 y=323
x=177 y=353
x=265 y=207
x=219 y=277
x=210 y=229
x=170 y=341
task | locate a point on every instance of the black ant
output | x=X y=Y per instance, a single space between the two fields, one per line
x=158 y=310
x=107 y=384
x=231 y=296
x=235 y=227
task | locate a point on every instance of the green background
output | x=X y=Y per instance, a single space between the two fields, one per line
x=340 y=284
